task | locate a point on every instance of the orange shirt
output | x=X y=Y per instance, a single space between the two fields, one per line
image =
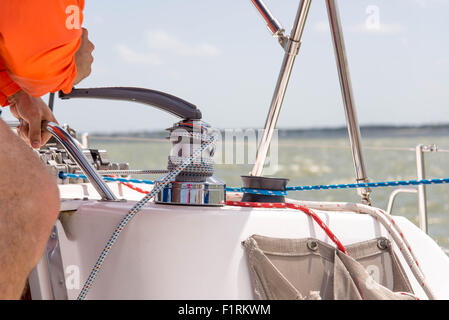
x=38 y=42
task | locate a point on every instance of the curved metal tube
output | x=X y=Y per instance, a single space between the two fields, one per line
x=394 y=194
x=77 y=155
x=161 y=100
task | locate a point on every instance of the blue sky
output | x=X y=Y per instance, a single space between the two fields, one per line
x=220 y=56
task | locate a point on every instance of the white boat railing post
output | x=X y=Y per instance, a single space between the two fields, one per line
x=291 y=51
x=422 y=198
x=348 y=98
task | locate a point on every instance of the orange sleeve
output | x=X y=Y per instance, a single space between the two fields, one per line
x=7 y=86
x=38 y=42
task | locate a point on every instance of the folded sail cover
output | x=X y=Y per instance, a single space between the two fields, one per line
x=307 y=269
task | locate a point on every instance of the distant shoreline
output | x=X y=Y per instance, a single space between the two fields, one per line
x=367 y=131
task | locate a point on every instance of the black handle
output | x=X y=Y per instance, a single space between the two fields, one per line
x=160 y=100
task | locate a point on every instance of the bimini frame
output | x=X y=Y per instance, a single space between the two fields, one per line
x=291 y=45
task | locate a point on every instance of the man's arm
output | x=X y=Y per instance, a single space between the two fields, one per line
x=40 y=62
x=29 y=205
x=7 y=86
x=39 y=41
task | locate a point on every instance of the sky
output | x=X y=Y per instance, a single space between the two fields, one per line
x=220 y=56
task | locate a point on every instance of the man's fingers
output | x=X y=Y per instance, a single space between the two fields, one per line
x=13 y=109
x=45 y=135
x=22 y=131
x=35 y=132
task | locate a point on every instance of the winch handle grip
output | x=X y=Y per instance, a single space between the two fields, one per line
x=160 y=100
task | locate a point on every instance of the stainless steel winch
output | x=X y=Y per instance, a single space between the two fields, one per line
x=195 y=185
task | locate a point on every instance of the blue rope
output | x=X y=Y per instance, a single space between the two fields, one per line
x=370 y=184
x=63 y=175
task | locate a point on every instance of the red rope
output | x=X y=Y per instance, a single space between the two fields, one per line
x=129 y=185
x=293 y=206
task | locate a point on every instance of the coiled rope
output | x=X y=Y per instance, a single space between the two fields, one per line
x=208 y=141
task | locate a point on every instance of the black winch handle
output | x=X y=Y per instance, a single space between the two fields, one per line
x=160 y=100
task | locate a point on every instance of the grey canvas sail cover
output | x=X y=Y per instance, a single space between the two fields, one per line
x=309 y=269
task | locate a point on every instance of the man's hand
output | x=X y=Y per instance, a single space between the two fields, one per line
x=84 y=58
x=31 y=113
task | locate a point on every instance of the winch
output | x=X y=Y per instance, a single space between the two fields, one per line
x=195 y=184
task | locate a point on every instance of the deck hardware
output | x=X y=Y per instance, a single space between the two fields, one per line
x=383 y=244
x=312 y=245
x=77 y=155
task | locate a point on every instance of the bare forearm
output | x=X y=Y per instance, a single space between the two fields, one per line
x=29 y=207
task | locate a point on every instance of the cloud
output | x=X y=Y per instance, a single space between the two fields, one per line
x=322 y=26
x=160 y=42
x=163 y=41
x=133 y=57
x=429 y=3
x=98 y=19
x=382 y=29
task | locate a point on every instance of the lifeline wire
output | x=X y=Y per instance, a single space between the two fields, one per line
x=208 y=142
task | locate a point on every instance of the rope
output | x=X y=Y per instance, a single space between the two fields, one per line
x=209 y=142
x=128 y=172
x=64 y=175
x=293 y=206
x=132 y=187
x=389 y=224
x=370 y=184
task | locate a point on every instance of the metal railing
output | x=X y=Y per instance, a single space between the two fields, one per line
x=419 y=190
x=77 y=155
